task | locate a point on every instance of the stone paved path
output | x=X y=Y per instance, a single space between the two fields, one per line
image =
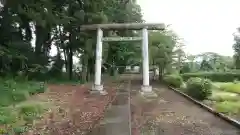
x=116 y=119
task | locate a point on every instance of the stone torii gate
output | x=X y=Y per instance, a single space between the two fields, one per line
x=97 y=86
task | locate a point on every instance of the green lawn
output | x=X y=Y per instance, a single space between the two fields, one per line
x=226 y=98
x=229 y=87
x=229 y=107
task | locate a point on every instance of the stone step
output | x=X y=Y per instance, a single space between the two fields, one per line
x=113 y=120
x=112 y=129
x=117 y=111
x=121 y=99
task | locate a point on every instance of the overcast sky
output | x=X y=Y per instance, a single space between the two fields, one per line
x=205 y=25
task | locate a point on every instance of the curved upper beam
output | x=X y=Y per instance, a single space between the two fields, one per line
x=129 y=26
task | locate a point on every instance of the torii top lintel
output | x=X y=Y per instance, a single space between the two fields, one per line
x=128 y=26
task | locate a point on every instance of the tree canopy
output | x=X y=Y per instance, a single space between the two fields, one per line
x=30 y=29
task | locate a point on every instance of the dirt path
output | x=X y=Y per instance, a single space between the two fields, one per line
x=175 y=115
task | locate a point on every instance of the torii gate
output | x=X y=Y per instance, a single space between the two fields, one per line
x=97 y=86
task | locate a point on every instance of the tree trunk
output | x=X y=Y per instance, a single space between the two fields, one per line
x=70 y=63
x=154 y=73
x=91 y=69
x=65 y=59
x=26 y=26
x=84 y=68
x=39 y=40
x=160 y=76
x=85 y=64
x=121 y=70
x=62 y=45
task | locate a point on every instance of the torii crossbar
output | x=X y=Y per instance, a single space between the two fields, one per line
x=97 y=86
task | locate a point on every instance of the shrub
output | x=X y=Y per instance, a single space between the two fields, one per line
x=30 y=109
x=173 y=80
x=214 y=76
x=199 y=88
x=30 y=112
x=20 y=129
x=3 y=131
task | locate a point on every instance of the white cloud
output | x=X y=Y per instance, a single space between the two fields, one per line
x=205 y=25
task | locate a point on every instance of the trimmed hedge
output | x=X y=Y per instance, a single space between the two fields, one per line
x=213 y=76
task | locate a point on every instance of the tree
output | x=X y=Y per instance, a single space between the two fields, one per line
x=179 y=56
x=236 y=48
x=161 y=45
x=185 y=68
x=191 y=59
x=211 y=61
x=205 y=65
x=122 y=54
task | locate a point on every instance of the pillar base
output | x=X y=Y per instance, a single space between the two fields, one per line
x=146 y=88
x=98 y=89
x=147 y=92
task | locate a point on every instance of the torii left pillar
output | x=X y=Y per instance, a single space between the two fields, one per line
x=146 y=88
x=97 y=86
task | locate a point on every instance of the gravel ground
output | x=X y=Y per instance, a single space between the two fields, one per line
x=73 y=110
x=175 y=115
x=179 y=116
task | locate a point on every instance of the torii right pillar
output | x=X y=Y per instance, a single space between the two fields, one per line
x=146 y=88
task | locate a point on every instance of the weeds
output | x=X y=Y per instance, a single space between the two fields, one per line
x=16 y=117
x=12 y=92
